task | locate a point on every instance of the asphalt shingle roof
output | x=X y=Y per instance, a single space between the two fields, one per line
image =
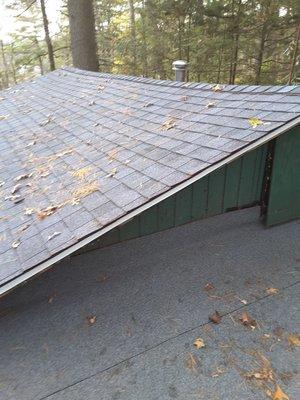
x=80 y=150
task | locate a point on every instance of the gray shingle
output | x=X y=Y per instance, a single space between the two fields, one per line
x=72 y=153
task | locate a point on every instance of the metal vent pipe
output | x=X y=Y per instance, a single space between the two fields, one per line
x=180 y=67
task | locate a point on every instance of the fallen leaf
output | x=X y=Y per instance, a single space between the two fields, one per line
x=215 y=317
x=16 y=188
x=15 y=198
x=198 y=343
x=16 y=244
x=23 y=228
x=168 y=124
x=191 y=362
x=91 y=319
x=272 y=290
x=100 y=88
x=85 y=190
x=112 y=154
x=42 y=214
x=255 y=122
x=53 y=235
x=46 y=122
x=217 y=88
x=2 y=117
x=184 y=98
x=29 y=211
x=102 y=278
x=279 y=394
x=112 y=173
x=265 y=373
x=81 y=173
x=219 y=371
x=208 y=286
x=31 y=143
x=148 y=105
x=210 y=104
x=21 y=177
x=294 y=340
x=247 y=320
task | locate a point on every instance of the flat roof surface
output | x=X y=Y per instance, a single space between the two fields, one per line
x=150 y=301
x=84 y=152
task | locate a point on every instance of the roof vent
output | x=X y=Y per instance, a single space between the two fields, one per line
x=180 y=67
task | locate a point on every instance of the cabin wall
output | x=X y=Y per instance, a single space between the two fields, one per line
x=284 y=194
x=233 y=186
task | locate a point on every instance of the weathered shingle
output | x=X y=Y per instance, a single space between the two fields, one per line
x=80 y=150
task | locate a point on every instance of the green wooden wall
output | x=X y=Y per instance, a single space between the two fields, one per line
x=284 y=194
x=233 y=186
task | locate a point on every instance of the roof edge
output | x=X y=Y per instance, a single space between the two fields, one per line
x=8 y=286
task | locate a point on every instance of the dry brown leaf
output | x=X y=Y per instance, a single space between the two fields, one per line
x=272 y=290
x=184 y=98
x=208 y=286
x=102 y=278
x=42 y=214
x=294 y=339
x=191 y=362
x=112 y=154
x=91 y=319
x=100 y=88
x=199 y=343
x=168 y=124
x=210 y=104
x=85 y=190
x=279 y=394
x=215 y=317
x=265 y=373
x=81 y=173
x=247 y=320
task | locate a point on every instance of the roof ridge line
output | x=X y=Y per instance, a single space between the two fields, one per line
x=187 y=85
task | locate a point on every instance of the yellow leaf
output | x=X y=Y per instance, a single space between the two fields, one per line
x=279 y=394
x=254 y=122
x=198 y=343
x=272 y=290
x=294 y=340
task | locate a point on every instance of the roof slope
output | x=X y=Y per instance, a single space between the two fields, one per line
x=83 y=152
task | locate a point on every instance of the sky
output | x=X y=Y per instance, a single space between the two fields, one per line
x=8 y=23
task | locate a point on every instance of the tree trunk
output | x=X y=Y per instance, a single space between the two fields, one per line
x=47 y=36
x=294 y=58
x=5 y=65
x=261 y=53
x=83 y=38
x=133 y=37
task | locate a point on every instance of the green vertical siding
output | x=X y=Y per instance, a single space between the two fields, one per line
x=284 y=195
x=233 y=186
